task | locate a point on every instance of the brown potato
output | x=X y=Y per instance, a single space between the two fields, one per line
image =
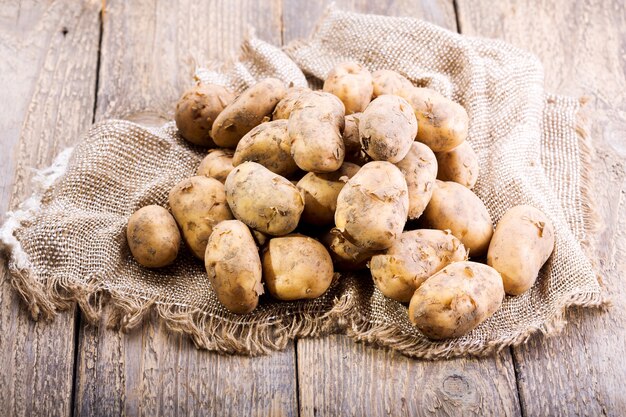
x=352 y=141
x=352 y=83
x=419 y=168
x=459 y=165
x=153 y=237
x=346 y=255
x=390 y=82
x=285 y=106
x=217 y=164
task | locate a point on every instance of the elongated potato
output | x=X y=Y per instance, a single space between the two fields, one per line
x=459 y=210
x=458 y=165
x=234 y=267
x=372 y=207
x=346 y=255
x=456 y=300
x=153 y=236
x=419 y=168
x=390 y=82
x=247 y=111
x=414 y=257
x=263 y=200
x=285 y=106
x=217 y=164
x=352 y=83
x=198 y=204
x=522 y=243
x=352 y=141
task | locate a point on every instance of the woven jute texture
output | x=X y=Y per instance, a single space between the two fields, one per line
x=67 y=242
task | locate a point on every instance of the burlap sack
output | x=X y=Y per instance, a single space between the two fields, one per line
x=67 y=242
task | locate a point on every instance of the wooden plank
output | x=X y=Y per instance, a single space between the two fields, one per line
x=579 y=372
x=48 y=70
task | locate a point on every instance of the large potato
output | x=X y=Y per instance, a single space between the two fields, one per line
x=372 y=207
x=285 y=106
x=459 y=165
x=247 y=111
x=352 y=141
x=456 y=300
x=522 y=243
x=456 y=208
x=345 y=254
x=390 y=82
x=198 y=204
x=263 y=200
x=413 y=258
x=217 y=164
x=352 y=83
x=234 y=267
x=153 y=236
x=419 y=168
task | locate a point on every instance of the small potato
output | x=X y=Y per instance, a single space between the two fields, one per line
x=390 y=82
x=247 y=111
x=320 y=193
x=456 y=208
x=263 y=200
x=346 y=255
x=198 y=108
x=419 y=168
x=234 y=267
x=352 y=141
x=153 y=237
x=458 y=165
x=217 y=164
x=372 y=207
x=285 y=106
x=268 y=145
x=412 y=259
x=352 y=83
x=315 y=127
x=198 y=204
x=456 y=300
x=522 y=243
x=296 y=267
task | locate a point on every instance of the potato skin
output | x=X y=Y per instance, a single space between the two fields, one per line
x=390 y=82
x=352 y=141
x=458 y=209
x=412 y=259
x=346 y=255
x=372 y=207
x=247 y=111
x=198 y=108
x=459 y=165
x=296 y=267
x=285 y=106
x=522 y=243
x=456 y=300
x=352 y=83
x=233 y=265
x=419 y=168
x=217 y=164
x=198 y=204
x=263 y=200
x=153 y=236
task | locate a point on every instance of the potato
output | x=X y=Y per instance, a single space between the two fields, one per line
x=522 y=243
x=372 y=207
x=352 y=83
x=153 y=237
x=285 y=106
x=268 y=145
x=346 y=255
x=459 y=165
x=443 y=124
x=234 y=267
x=296 y=267
x=352 y=141
x=413 y=258
x=198 y=204
x=315 y=127
x=419 y=168
x=247 y=111
x=217 y=164
x=390 y=82
x=198 y=108
x=320 y=193
x=456 y=208
x=456 y=300
x=263 y=200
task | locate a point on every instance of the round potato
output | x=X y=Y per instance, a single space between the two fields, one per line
x=346 y=255
x=459 y=165
x=153 y=237
x=285 y=106
x=456 y=300
x=352 y=141
x=217 y=164
x=419 y=168
x=390 y=82
x=522 y=243
x=352 y=83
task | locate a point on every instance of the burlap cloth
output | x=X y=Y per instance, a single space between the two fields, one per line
x=67 y=242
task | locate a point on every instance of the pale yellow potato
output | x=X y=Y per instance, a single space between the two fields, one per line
x=153 y=236
x=352 y=141
x=285 y=106
x=419 y=168
x=390 y=82
x=346 y=255
x=522 y=243
x=456 y=300
x=217 y=164
x=352 y=83
x=459 y=165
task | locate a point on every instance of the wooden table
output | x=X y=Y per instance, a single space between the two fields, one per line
x=65 y=65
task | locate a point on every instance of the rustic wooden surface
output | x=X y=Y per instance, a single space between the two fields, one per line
x=138 y=58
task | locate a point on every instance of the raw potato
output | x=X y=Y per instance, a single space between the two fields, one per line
x=247 y=111
x=372 y=207
x=234 y=267
x=198 y=108
x=217 y=164
x=296 y=267
x=456 y=300
x=345 y=254
x=419 y=168
x=268 y=145
x=315 y=127
x=352 y=141
x=352 y=83
x=459 y=165
x=153 y=236
x=285 y=106
x=522 y=243
x=456 y=208
x=390 y=82
x=198 y=204
x=263 y=200
x=413 y=258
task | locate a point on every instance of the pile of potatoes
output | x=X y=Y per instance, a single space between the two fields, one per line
x=371 y=172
